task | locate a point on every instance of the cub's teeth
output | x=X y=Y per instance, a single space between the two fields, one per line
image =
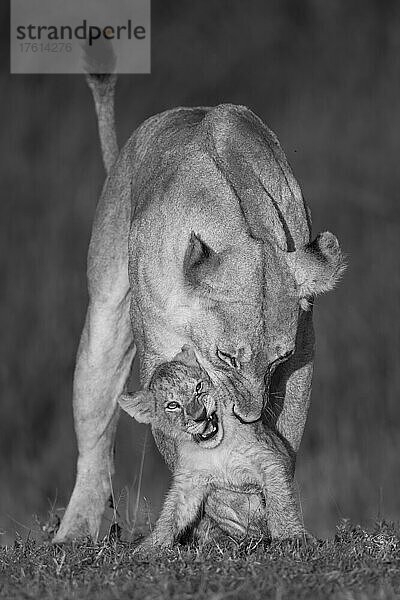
x=210 y=431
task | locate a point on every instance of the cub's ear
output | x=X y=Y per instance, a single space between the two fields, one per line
x=200 y=260
x=317 y=267
x=140 y=406
x=187 y=356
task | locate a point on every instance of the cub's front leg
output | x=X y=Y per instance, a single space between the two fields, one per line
x=181 y=507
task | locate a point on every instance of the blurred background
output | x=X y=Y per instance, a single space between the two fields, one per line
x=325 y=76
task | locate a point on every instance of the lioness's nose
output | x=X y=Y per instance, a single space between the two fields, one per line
x=197 y=411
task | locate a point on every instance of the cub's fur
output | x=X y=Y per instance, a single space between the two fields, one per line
x=236 y=475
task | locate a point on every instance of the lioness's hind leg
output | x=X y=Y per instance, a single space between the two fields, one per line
x=104 y=360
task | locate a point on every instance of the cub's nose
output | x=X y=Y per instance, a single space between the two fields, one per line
x=196 y=411
x=202 y=416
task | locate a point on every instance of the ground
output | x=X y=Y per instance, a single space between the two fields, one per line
x=356 y=564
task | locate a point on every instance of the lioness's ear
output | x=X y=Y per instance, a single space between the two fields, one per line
x=318 y=266
x=200 y=260
x=140 y=406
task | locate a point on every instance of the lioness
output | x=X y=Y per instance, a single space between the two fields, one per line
x=202 y=237
x=218 y=459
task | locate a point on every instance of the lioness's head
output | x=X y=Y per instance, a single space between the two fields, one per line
x=181 y=401
x=250 y=301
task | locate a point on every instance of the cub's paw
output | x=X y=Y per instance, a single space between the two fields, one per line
x=149 y=548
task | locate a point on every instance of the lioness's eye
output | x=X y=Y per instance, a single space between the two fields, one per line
x=173 y=406
x=228 y=359
x=199 y=387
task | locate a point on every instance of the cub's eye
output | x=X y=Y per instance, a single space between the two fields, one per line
x=173 y=406
x=199 y=387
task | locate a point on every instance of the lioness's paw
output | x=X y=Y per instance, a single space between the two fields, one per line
x=297 y=540
x=142 y=552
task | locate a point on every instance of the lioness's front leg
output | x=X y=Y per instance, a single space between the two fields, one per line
x=290 y=390
x=181 y=507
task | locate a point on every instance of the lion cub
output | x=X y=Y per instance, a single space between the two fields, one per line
x=235 y=475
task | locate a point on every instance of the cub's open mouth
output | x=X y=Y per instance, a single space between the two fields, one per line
x=210 y=430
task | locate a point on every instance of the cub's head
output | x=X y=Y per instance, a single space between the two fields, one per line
x=180 y=401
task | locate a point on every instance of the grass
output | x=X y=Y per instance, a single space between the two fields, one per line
x=356 y=564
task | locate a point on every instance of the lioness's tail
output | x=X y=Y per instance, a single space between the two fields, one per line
x=101 y=57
